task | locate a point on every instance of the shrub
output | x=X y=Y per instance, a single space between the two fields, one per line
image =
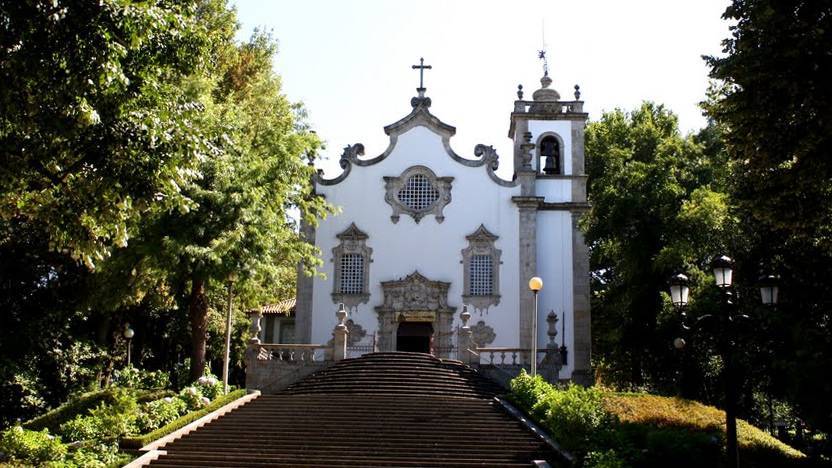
x=156 y=414
x=141 y=441
x=117 y=419
x=31 y=446
x=81 y=428
x=53 y=419
x=97 y=456
x=210 y=386
x=131 y=377
x=605 y=459
x=192 y=397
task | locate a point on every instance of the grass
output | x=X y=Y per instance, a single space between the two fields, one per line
x=645 y=415
x=138 y=442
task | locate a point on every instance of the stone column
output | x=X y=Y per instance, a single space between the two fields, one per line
x=303 y=304
x=339 y=335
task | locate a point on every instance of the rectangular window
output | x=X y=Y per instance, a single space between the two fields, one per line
x=287 y=331
x=269 y=329
x=352 y=274
x=481 y=275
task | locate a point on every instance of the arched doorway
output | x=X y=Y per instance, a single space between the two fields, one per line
x=414 y=337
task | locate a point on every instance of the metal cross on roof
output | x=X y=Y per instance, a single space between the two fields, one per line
x=422 y=67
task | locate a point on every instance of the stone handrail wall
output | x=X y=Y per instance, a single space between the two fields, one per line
x=291 y=352
x=561 y=107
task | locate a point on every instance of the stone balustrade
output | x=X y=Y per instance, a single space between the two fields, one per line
x=558 y=107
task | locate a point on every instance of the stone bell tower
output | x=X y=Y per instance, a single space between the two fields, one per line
x=548 y=135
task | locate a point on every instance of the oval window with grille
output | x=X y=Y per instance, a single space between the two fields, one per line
x=418 y=193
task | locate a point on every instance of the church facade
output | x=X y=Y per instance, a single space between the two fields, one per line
x=424 y=234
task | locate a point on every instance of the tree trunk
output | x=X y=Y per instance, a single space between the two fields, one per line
x=198 y=314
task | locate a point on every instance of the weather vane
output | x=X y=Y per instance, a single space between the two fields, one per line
x=541 y=54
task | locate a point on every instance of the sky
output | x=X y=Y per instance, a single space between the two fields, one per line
x=349 y=62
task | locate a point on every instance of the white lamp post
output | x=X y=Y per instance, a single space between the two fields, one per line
x=128 y=335
x=227 y=357
x=535 y=284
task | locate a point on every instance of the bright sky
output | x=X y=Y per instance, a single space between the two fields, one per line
x=349 y=62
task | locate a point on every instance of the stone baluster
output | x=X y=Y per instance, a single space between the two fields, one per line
x=465 y=339
x=340 y=334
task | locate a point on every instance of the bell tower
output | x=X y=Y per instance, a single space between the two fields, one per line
x=548 y=135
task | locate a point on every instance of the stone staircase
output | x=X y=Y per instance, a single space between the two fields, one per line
x=382 y=409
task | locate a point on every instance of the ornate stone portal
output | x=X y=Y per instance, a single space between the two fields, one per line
x=415 y=298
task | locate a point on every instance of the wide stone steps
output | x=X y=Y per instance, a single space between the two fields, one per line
x=382 y=409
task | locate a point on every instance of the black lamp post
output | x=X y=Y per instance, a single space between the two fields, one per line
x=128 y=335
x=727 y=317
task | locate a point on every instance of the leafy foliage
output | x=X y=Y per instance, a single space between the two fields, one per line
x=156 y=414
x=607 y=429
x=658 y=206
x=31 y=446
x=775 y=109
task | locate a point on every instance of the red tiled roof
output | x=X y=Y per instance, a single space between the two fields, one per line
x=284 y=307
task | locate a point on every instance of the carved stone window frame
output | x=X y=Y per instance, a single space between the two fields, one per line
x=353 y=241
x=393 y=185
x=481 y=242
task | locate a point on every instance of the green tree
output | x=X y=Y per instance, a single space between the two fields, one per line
x=94 y=128
x=775 y=106
x=241 y=221
x=657 y=208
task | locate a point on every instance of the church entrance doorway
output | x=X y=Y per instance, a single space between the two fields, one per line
x=414 y=337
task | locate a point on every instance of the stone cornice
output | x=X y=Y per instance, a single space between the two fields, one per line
x=564 y=206
x=527 y=202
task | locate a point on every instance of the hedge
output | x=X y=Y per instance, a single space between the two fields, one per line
x=53 y=419
x=142 y=440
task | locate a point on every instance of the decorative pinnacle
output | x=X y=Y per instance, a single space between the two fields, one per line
x=520 y=92
x=577 y=93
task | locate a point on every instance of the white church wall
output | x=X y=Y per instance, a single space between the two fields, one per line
x=554 y=190
x=554 y=266
x=563 y=128
x=432 y=248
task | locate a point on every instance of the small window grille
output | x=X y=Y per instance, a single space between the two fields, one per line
x=482 y=275
x=418 y=193
x=352 y=273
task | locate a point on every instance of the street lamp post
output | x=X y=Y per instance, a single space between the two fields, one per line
x=535 y=284
x=227 y=357
x=128 y=335
x=727 y=316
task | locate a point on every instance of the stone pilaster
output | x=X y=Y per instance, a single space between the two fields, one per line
x=527 y=212
x=521 y=127
x=304 y=290
x=578 y=162
x=582 y=317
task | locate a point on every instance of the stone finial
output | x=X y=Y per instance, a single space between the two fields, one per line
x=254 y=329
x=577 y=93
x=552 y=331
x=465 y=316
x=342 y=317
x=340 y=334
x=520 y=92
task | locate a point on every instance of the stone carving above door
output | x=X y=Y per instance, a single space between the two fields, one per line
x=415 y=292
